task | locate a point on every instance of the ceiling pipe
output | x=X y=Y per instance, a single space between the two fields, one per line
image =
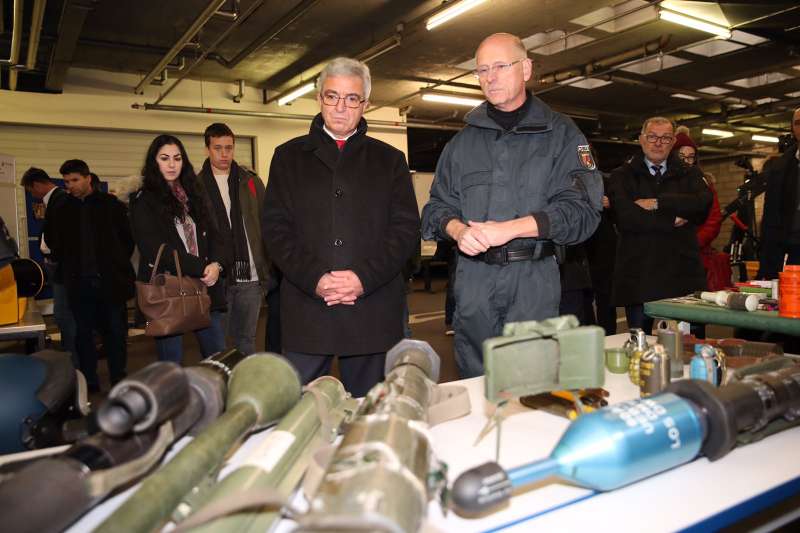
x=658 y=86
x=366 y=56
x=198 y=23
x=35 y=33
x=285 y=21
x=199 y=59
x=16 y=41
x=230 y=15
x=642 y=51
x=286 y=116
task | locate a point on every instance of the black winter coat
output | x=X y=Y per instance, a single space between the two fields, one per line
x=111 y=237
x=654 y=258
x=327 y=210
x=152 y=227
x=780 y=206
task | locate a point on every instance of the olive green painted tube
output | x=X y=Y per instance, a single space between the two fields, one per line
x=280 y=460
x=262 y=389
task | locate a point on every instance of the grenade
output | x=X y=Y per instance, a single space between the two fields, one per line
x=636 y=346
x=708 y=364
x=654 y=371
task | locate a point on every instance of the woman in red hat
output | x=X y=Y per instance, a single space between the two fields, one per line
x=718 y=272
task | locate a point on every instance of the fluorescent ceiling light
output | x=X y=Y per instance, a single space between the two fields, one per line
x=713 y=89
x=452 y=99
x=717 y=133
x=697 y=24
x=765 y=138
x=795 y=94
x=451 y=12
x=297 y=93
x=685 y=96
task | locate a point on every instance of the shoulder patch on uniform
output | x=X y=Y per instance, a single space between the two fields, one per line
x=585 y=157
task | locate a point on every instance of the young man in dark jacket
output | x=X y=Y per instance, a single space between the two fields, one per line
x=235 y=195
x=658 y=203
x=91 y=239
x=340 y=220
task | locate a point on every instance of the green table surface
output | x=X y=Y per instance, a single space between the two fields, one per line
x=708 y=313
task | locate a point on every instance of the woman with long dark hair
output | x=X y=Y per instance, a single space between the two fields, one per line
x=169 y=208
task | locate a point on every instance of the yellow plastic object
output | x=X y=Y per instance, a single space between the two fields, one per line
x=11 y=307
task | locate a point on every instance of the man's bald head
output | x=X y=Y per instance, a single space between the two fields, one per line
x=504 y=39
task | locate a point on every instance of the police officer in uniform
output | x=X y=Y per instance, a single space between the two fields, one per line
x=511 y=187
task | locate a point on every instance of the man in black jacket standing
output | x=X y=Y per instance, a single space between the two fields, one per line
x=340 y=220
x=91 y=238
x=38 y=184
x=780 y=225
x=235 y=195
x=658 y=203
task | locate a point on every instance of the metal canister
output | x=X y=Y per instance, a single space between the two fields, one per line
x=705 y=364
x=636 y=345
x=670 y=337
x=654 y=371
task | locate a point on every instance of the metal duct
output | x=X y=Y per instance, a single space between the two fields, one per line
x=199 y=22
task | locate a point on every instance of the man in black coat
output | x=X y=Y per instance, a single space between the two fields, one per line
x=658 y=203
x=780 y=225
x=340 y=220
x=38 y=184
x=91 y=238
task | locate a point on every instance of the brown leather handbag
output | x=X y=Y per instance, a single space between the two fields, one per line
x=173 y=304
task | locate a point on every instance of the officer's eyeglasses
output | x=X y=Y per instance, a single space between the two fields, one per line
x=350 y=100
x=497 y=69
x=652 y=138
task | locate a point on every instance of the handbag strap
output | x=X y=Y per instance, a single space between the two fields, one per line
x=157 y=261
x=177 y=266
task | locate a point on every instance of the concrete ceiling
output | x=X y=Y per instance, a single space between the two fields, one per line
x=636 y=61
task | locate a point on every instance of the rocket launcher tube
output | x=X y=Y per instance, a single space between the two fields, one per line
x=251 y=405
x=278 y=463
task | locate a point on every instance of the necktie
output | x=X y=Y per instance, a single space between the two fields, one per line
x=656 y=172
x=340 y=143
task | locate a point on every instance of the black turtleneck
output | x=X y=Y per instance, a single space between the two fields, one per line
x=509 y=119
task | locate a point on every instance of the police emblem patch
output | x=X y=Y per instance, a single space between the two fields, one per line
x=585 y=157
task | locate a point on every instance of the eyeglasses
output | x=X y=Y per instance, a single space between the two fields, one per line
x=652 y=138
x=350 y=100
x=687 y=158
x=497 y=68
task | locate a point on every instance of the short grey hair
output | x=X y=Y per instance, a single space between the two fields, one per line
x=345 y=66
x=657 y=120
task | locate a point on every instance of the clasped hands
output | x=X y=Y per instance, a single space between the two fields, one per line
x=651 y=204
x=477 y=237
x=339 y=287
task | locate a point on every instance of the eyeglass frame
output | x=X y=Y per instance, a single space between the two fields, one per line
x=496 y=68
x=687 y=158
x=658 y=139
x=333 y=94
